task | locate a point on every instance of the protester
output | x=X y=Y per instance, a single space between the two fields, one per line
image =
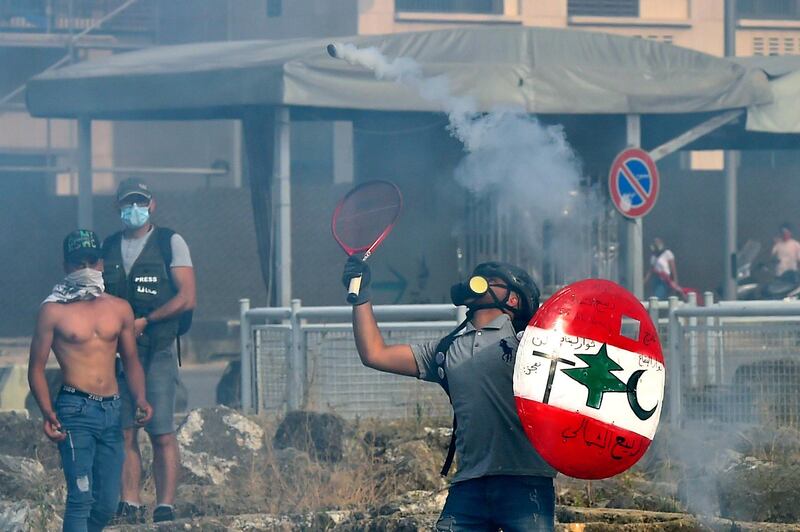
x=501 y=480
x=152 y=269
x=84 y=327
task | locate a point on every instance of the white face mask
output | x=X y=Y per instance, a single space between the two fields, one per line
x=87 y=277
x=80 y=285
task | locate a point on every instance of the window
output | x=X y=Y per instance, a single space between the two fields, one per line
x=772 y=45
x=274 y=8
x=768 y=9
x=489 y=7
x=603 y=8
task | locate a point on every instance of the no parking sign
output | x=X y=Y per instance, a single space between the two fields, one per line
x=589 y=380
x=633 y=182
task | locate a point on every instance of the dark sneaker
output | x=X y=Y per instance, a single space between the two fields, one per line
x=127 y=514
x=163 y=513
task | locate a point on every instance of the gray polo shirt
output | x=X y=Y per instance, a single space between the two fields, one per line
x=490 y=439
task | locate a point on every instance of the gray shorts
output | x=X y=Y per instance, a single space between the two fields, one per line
x=161 y=381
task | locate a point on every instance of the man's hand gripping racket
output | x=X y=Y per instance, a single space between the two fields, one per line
x=361 y=222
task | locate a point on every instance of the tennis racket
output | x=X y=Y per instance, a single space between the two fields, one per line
x=362 y=221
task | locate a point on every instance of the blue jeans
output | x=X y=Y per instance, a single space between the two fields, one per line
x=91 y=456
x=661 y=290
x=511 y=502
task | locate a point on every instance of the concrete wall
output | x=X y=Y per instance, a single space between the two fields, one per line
x=217 y=224
x=196 y=144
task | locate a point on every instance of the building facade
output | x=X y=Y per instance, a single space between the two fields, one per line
x=204 y=159
x=40 y=34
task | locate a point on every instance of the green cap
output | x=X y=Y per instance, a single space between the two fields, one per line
x=80 y=245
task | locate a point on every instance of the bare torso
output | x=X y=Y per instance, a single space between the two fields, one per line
x=85 y=342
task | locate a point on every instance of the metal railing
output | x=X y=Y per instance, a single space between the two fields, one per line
x=727 y=362
x=305 y=357
x=734 y=362
x=297 y=356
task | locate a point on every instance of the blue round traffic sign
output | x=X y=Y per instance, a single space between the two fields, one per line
x=633 y=182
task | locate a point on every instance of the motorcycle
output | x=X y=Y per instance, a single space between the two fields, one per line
x=757 y=280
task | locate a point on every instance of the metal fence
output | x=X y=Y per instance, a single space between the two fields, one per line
x=727 y=362
x=306 y=358
x=735 y=362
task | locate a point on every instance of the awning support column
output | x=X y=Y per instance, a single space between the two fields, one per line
x=634 y=267
x=85 y=214
x=283 y=196
x=259 y=143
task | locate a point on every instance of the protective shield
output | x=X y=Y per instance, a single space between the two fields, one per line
x=589 y=380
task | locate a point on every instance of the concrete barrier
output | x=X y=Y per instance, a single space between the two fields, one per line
x=13 y=387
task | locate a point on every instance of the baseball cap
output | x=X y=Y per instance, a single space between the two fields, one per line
x=81 y=244
x=131 y=186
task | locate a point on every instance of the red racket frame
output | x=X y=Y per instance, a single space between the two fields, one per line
x=366 y=249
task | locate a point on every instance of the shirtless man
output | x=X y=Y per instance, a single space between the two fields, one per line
x=85 y=327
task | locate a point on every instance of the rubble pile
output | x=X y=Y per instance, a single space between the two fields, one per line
x=317 y=471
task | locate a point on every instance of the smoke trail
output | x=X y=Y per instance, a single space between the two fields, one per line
x=461 y=110
x=513 y=163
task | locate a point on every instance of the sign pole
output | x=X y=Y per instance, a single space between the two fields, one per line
x=634 y=269
x=633 y=183
x=85 y=214
x=731 y=177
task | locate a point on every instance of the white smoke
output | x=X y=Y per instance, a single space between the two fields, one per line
x=461 y=110
x=512 y=159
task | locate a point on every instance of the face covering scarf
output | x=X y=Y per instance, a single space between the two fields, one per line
x=134 y=216
x=80 y=285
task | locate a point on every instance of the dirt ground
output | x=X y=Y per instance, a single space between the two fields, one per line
x=314 y=471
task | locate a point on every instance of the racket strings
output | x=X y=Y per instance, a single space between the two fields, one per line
x=392 y=209
x=366 y=214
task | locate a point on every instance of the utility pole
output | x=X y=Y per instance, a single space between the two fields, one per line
x=731 y=169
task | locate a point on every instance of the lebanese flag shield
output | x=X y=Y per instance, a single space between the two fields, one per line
x=589 y=380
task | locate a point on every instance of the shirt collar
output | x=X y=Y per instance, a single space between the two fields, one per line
x=494 y=325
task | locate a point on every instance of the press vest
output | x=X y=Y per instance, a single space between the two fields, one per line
x=146 y=287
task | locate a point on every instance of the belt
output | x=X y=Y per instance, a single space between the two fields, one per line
x=94 y=397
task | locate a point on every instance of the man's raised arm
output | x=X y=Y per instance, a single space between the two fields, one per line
x=373 y=351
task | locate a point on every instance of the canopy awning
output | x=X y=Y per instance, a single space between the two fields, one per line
x=541 y=70
x=782 y=115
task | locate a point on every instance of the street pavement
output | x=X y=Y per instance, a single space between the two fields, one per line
x=201 y=383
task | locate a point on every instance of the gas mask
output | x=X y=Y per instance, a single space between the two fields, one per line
x=462 y=293
x=517 y=280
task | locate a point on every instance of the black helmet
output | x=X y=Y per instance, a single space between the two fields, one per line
x=518 y=281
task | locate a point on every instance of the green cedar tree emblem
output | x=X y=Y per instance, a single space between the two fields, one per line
x=597 y=377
